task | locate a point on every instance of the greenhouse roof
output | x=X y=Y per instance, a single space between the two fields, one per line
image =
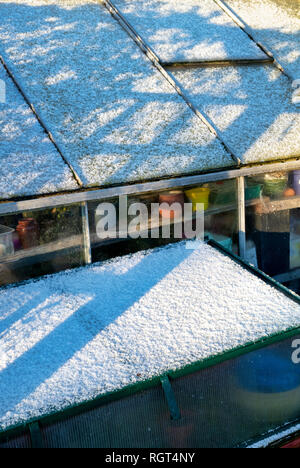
x=115 y=116
x=76 y=335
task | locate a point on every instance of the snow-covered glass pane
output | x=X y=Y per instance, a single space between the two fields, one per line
x=251 y=106
x=273 y=225
x=114 y=116
x=189 y=30
x=276 y=24
x=40 y=242
x=29 y=163
x=76 y=335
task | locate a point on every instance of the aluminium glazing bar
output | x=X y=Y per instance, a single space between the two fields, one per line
x=217 y=63
x=86 y=234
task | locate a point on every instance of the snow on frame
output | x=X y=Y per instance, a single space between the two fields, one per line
x=250 y=106
x=72 y=336
x=115 y=117
x=29 y=163
x=189 y=30
x=276 y=24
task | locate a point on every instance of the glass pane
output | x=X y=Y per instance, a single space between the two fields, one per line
x=221 y=216
x=273 y=225
x=41 y=242
x=126 y=225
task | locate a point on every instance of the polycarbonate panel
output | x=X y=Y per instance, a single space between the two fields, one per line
x=138 y=421
x=241 y=399
x=23 y=441
x=222 y=406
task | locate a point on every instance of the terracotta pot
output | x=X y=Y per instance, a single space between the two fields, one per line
x=28 y=231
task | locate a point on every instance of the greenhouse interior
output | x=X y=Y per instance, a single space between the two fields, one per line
x=149 y=337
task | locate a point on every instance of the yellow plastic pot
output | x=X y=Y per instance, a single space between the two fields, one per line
x=198 y=195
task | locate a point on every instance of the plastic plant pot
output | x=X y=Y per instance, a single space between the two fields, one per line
x=169 y=198
x=275 y=185
x=253 y=192
x=199 y=195
x=6 y=241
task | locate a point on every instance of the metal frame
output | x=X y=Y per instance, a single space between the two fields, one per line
x=217 y=63
x=64 y=199
x=276 y=433
x=86 y=233
x=83 y=197
x=241 y=216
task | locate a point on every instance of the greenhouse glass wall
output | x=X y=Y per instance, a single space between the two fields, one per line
x=255 y=216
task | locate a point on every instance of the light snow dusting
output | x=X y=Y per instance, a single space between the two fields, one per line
x=29 y=163
x=75 y=335
x=264 y=443
x=250 y=106
x=276 y=24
